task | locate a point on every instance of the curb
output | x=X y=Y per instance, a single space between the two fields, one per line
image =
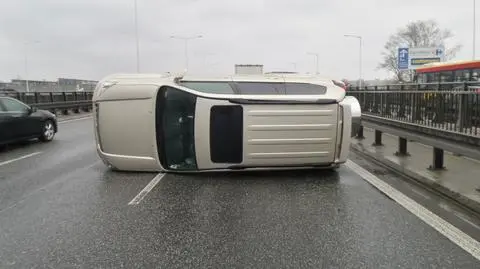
x=423 y=180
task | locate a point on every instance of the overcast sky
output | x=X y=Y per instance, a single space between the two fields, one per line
x=92 y=38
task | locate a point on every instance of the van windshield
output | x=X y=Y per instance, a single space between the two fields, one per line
x=175 y=129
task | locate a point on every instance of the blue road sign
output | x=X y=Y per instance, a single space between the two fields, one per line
x=402 y=58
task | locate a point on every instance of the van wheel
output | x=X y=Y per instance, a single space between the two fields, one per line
x=48 y=131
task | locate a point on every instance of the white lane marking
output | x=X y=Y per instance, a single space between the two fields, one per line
x=455 y=235
x=20 y=158
x=465 y=218
x=421 y=194
x=146 y=190
x=65 y=121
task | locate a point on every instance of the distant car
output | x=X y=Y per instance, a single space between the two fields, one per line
x=19 y=121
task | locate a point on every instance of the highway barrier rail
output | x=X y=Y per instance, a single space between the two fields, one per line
x=54 y=101
x=445 y=116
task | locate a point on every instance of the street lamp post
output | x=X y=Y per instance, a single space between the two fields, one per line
x=136 y=36
x=316 y=61
x=474 y=30
x=26 y=44
x=186 y=39
x=360 y=58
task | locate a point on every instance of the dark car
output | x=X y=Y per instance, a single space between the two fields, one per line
x=19 y=122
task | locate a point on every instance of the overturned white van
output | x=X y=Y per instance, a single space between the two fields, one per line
x=191 y=124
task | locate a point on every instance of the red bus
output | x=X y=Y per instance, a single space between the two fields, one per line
x=464 y=71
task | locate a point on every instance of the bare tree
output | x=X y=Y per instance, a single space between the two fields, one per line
x=415 y=34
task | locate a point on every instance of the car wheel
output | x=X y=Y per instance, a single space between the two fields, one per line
x=48 y=131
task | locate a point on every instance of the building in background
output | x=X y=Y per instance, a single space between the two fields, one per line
x=248 y=69
x=71 y=84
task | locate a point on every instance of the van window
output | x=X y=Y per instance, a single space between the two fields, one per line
x=209 y=87
x=226 y=134
x=255 y=88
x=260 y=88
x=304 y=88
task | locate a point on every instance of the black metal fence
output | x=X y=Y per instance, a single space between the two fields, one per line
x=453 y=107
x=54 y=100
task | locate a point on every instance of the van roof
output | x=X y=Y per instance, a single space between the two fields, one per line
x=150 y=83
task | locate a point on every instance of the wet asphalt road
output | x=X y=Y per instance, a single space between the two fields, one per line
x=62 y=208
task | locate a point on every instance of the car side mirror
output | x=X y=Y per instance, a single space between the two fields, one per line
x=32 y=110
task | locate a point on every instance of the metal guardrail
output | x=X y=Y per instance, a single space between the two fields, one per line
x=54 y=100
x=455 y=108
x=442 y=115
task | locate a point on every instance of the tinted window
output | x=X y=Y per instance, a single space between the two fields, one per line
x=12 y=105
x=209 y=87
x=422 y=78
x=459 y=75
x=305 y=88
x=226 y=134
x=475 y=75
x=446 y=76
x=175 y=129
x=260 y=88
x=466 y=75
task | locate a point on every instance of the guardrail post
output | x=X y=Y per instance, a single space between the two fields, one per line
x=75 y=98
x=64 y=111
x=438 y=106
x=401 y=110
x=416 y=108
x=360 y=133
x=463 y=118
x=378 y=138
x=437 y=163
x=388 y=100
x=375 y=100
x=402 y=147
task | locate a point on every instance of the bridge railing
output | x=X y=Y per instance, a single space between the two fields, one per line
x=443 y=115
x=53 y=101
